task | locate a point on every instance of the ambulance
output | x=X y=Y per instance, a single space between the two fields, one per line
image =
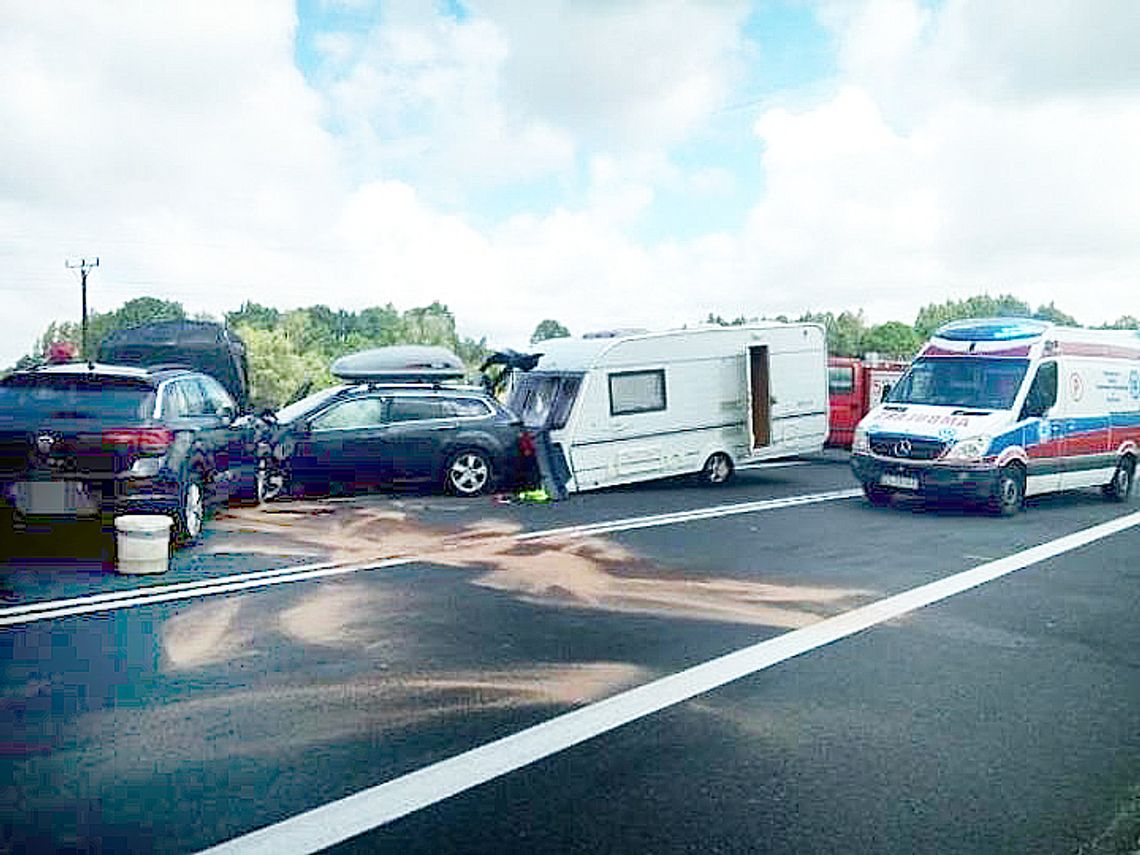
x=994 y=410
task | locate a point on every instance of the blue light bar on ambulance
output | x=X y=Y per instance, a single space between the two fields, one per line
x=992 y=329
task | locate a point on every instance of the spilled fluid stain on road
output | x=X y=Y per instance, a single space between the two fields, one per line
x=346 y=661
x=588 y=572
x=273 y=720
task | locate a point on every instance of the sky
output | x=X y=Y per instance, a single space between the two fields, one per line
x=603 y=163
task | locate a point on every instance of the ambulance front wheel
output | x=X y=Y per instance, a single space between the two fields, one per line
x=876 y=495
x=1009 y=491
x=718 y=469
x=1119 y=489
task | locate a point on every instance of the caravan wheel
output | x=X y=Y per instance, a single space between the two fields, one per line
x=718 y=469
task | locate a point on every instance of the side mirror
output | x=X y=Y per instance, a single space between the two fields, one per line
x=1034 y=409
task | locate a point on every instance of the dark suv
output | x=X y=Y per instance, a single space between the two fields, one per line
x=85 y=440
x=354 y=437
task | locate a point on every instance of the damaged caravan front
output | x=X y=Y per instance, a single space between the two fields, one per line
x=632 y=407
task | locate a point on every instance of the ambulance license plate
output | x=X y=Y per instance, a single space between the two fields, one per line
x=900 y=482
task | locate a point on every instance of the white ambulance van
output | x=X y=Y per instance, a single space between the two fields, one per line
x=997 y=409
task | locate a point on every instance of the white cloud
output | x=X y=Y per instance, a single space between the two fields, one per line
x=940 y=169
x=634 y=74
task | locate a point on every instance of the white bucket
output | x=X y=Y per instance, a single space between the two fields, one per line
x=143 y=543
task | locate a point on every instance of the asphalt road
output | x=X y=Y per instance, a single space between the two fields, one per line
x=1002 y=718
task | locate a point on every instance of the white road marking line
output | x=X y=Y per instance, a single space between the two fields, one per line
x=369 y=809
x=632 y=523
x=158 y=588
x=145 y=596
x=129 y=598
x=775 y=464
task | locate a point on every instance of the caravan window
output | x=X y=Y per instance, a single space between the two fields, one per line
x=544 y=400
x=637 y=392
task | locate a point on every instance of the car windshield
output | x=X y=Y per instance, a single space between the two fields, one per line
x=544 y=400
x=75 y=396
x=306 y=405
x=974 y=382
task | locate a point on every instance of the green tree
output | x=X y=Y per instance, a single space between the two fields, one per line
x=738 y=321
x=432 y=324
x=933 y=316
x=379 y=326
x=1124 y=322
x=845 y=331
x=1052 y=313
x=279 y=365
x=254 y=315
x=894 y=339
x=548 y=329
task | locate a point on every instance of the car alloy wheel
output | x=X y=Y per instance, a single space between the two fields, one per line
x=469 y=473
x=1010 y=492
x=270 y=481
x=193 y=510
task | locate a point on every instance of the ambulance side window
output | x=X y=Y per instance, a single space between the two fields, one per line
x=1043 y=393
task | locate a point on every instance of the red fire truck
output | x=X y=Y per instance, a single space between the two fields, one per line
x=855 y=387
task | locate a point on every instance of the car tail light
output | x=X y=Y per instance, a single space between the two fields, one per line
x=526 y=444
x=144 y=440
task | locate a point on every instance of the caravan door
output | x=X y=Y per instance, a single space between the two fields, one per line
x=759 y=396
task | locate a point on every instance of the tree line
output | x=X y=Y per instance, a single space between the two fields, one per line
x=285 y=349
x=288 y=349
x=849 y=333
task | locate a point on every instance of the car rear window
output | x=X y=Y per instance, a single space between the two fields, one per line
x=76 y=396
x=466 y=408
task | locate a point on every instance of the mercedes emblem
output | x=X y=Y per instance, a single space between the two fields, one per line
x=902 y=448
x=44 y=443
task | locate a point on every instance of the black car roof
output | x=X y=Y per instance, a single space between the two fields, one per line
x=153 y=374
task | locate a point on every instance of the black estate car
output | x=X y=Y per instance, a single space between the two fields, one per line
x=359 y=436
x=85 y=440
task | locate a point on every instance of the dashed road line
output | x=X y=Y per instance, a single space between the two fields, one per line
x=369 y=809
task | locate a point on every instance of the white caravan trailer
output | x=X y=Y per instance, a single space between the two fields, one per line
x=632 y=407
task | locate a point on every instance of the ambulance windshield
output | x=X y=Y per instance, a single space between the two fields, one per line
x=974 y=382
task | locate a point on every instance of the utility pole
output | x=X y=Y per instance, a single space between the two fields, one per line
x=83 y=265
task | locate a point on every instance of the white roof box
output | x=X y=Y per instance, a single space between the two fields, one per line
x=402 y=363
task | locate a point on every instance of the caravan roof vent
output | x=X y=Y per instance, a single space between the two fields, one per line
x=403 y=363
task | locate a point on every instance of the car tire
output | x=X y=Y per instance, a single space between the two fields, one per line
x=1119 y=489
x=8 y=532
x=272 y=481
x=718 y=469
x=191 y=509
x=249 y=488
x=468 y=473
x=1009 y=491
x=876 y=495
